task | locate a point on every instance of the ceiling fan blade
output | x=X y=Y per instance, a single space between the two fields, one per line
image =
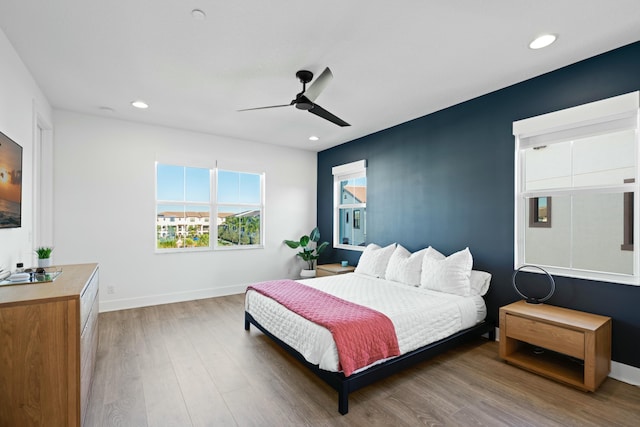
x=271 y=106
x=319 y=84
x=321 y=112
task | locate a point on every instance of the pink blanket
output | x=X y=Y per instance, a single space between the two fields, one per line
x=362 y=335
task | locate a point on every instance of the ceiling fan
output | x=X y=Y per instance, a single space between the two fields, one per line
x=305 y=99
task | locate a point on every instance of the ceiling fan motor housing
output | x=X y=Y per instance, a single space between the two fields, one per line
x=302 y=103
x=304 y=76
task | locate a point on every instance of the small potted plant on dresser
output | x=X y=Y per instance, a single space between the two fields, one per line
x=44 y=256
x=311 y=250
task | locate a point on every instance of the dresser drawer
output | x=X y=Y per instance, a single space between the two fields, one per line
x=88 y=348
x=86 y=299
x=546 y=335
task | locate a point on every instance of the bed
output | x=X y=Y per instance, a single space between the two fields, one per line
x=427 y=321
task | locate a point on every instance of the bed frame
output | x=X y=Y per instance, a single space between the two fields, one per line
x=345 y=385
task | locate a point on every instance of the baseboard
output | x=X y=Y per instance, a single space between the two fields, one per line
x=619 y=371
x=625 y=373
x=127 y=303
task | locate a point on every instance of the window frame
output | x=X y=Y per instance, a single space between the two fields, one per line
x=213 y=206
x=596 y=118
x=628 y=219
x=179 y=223
x=259 y=206
x=357 y=169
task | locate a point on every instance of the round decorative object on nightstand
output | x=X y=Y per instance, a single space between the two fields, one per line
x=534 y=300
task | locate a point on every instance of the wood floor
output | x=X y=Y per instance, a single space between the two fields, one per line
x=193 y=364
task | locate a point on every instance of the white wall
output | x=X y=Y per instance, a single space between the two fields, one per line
x=104 y=209
x=20 y=101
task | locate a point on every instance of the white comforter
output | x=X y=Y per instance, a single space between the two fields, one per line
x=420 y=316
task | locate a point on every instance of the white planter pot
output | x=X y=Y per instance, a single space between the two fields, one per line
x=305 y=274
x=44 y=262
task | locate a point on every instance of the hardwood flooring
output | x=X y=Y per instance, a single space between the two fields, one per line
x=193 y=364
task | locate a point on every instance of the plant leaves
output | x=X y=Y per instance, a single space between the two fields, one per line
x=292 y=244
x=321 y=247
x=314 y=235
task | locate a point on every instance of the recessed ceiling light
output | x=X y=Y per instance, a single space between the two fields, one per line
x=543 y=41
x=313 y=138
x=140 y=104
x=198 y=14
x=106 y=109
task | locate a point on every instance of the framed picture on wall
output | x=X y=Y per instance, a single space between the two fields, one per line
x=10 y=183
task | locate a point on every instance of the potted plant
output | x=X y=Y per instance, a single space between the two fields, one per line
x=310 y=250
x=44 y=256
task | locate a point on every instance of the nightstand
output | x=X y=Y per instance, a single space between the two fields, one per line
x=333 y=269
x=566 y=345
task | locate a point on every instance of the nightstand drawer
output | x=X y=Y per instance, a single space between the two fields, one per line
x=551 y=337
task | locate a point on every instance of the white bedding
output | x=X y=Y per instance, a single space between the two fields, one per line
x=420 y=316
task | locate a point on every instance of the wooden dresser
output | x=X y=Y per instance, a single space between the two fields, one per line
x=48 y=343
x=566 y=345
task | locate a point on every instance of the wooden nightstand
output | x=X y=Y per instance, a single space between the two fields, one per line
x=566 y=345
x=333 y=269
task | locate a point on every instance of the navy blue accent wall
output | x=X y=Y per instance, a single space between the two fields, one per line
x=446 y=180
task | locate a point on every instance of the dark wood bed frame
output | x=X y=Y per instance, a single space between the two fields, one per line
x=345 y=385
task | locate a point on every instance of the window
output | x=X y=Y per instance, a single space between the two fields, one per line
x=350 y=205
x=239 y=209
x=540 y=212
x=185 y=204
x=585 y=159
x=183 y=195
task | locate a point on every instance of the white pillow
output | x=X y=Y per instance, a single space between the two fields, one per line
x=374 y=260
x=405 y=267
x=480 y=281
x=450 y=274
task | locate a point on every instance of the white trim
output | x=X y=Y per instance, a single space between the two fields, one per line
x=42 y=221
x=350 y=247
x=625 y=373
x=577 y=116
x=127 y=303
x=353 y=170
x=349 y=168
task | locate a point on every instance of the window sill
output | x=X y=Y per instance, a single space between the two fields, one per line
x=350 y=247
x=208 y=249
x=624 y=279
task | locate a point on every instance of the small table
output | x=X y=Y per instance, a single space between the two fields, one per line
x=333 y=269
x=566 y=345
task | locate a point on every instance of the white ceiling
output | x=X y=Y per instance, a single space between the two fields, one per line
x=392 y=61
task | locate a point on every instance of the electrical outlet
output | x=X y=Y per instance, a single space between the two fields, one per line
x=111 y=289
